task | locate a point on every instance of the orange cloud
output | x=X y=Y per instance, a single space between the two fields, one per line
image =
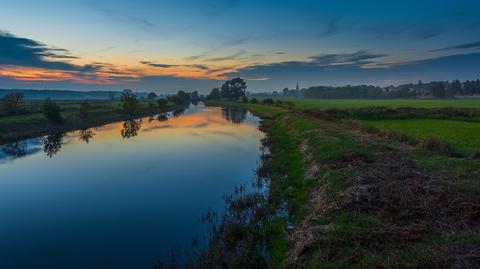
x=101 y=73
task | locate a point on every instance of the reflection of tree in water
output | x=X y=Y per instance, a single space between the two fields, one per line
x=16 y=149
x=235 y=115
x=178 y=112
x=162 y=118
x=86 y=135
x=131 y=128
x=52 y=144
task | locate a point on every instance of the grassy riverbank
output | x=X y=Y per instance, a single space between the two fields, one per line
x=344 y=196
x=33 y=123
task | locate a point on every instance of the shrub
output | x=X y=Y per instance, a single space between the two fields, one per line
x=244 y=99
x=268 y=101
x=51 y=110
x=434 y=145
x=84 y=109
x=399 y=137
x=254 y=101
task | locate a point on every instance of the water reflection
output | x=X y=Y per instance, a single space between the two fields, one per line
x=235 y=115
x=162 y=118
x=20 y=149
x=178 y=112
x=131 y=128
x=52 y=144
x=16 y=149
x=86 y=135
x=115 y=203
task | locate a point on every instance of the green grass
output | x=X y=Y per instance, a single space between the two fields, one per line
x=392 y=103
x=462 y=135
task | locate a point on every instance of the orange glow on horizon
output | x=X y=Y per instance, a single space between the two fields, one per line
x=109 y=74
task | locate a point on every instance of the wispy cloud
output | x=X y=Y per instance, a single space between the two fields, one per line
x=124 y=17
x=472 y=45
x=159 y=65
x=331 y=27
x=357 y=58
x=230 y=57
x=332 y=69
x=413 y=31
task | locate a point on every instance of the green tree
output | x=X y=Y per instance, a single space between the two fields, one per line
x=51 y=110
x=184 y=97
x=130 y=103
x=13 y=103
x=84 y=109
x=181 y=98
x=233 y=89
x=214 y=94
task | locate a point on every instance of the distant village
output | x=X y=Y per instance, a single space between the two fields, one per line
x=434 y=89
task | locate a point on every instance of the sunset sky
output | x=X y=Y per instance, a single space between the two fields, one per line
x=166 y=46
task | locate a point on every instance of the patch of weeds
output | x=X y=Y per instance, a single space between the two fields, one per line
x=435 y=145
x=336 y=181
x=333 y=147
x=278 y=244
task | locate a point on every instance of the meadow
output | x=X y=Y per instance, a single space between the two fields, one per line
x=390 y=103
x=451 y=121
x=462 y=135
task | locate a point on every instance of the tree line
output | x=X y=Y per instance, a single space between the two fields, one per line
x=14 y=104
x=435 y=89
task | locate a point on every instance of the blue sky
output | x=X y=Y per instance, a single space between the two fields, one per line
x=172 y=45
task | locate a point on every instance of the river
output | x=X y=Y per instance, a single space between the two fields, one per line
x=121 y=195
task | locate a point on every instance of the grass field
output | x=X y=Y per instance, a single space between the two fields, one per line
x=393 y=103
x=461 y=135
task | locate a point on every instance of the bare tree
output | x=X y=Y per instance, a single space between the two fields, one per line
x=13 y=103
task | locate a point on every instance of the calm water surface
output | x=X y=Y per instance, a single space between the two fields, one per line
x=124 y=194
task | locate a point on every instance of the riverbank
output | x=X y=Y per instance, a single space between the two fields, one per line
x=342 y=196
x=35 y=124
